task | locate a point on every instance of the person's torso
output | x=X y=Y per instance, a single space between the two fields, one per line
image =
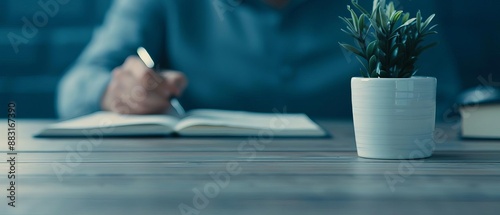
x=247 y=55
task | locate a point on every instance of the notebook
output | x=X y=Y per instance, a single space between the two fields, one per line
x=202 y=122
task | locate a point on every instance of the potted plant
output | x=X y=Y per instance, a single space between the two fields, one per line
x=393 y=110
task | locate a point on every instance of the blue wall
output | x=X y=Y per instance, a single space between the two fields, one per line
x=473 y=31
x=30 y=76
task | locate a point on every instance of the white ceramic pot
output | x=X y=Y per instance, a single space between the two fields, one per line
x=394 y=118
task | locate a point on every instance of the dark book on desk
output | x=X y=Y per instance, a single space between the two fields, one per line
x=480 y=112
x=201 y=122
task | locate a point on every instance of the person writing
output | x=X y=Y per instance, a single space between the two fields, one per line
x=252 y=55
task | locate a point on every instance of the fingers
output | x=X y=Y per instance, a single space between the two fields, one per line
x=176 y=82
x=137 y=89
x=147 y=77
x=153 y=82
x=127 y=95
x=124 y=107
x=136 y=67
x=150 y=104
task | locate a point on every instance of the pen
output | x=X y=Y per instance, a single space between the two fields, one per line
x=148 y=61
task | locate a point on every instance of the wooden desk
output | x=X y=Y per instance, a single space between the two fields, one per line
x=282 y=176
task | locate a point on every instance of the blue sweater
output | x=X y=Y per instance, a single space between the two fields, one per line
x=238 y=54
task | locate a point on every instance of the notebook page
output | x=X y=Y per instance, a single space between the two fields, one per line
x=110 y=119
x=241 y=119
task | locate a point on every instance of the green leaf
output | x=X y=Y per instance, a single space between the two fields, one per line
x=415 y=72
x=432 y=27
x=408 y=22
x=354 y=17
x=428 y=33
x=376 y=72
x=395 y=52
x=428 y=21
x=382 y=22
x=363 y=64
x=390 y=9
x=395 y=17
x=363 y=10
x=352 y=49
x=397 y=57
x=347 y=21
x=376 y=4
x=393 y=37
x=348 y=33
x=354 y=32
x=419 y=21
x=372 y=63
x=361 y=23
x=406 y=17
x=371 y=48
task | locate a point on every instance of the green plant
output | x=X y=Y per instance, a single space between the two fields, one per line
x=388 y=40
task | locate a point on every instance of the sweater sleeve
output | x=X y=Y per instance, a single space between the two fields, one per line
x=128 y=25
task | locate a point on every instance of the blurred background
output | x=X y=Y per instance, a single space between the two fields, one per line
x=30 y=76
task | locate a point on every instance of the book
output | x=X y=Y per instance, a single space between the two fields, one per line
x=481 y=121
x=480 y=113
x=201 y=122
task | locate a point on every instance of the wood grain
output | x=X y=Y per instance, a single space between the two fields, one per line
x=282 y=176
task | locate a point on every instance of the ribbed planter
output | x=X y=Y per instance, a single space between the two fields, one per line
x=394 y=118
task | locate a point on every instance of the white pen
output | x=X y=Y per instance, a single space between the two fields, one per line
x=148 y=61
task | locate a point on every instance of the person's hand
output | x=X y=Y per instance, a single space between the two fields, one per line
x=136 y=89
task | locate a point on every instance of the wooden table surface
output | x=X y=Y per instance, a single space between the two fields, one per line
x=251 y=175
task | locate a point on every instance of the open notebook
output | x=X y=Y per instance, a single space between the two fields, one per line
x=202 y=122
